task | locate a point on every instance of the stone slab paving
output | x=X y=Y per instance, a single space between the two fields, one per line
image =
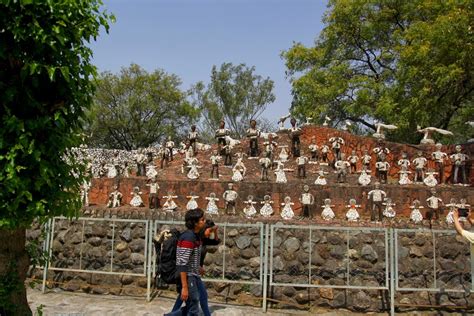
x=61 y=303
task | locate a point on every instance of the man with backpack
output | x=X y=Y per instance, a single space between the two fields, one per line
x=188 y=255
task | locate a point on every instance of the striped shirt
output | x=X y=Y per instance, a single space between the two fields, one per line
x=188 y=253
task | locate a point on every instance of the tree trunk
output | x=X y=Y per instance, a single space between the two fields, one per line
x=14 y=263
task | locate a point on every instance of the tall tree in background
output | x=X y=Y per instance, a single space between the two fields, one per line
x=402 y=62
x=235 y=95
x=137 y=109
x=45 y=87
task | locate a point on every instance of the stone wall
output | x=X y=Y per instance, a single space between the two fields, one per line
x=334 y=256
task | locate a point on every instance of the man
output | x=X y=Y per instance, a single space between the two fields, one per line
x=376 y=197
x=188 y=255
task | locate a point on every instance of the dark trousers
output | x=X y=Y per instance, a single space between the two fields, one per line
x=228 y=159
x=382 y=176
x=220 y=143
x=295 y=146
x=378 y=206
x=264 y=174
x=216 y=168
x=307 y=210
x=253 y=151
x=301 y=171
x=153 y=201
x=440 y=170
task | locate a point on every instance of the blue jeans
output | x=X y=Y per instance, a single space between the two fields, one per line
x=197 y=292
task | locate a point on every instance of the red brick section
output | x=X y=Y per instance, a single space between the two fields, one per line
x=171 y=179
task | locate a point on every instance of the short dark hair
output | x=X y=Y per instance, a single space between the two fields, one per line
x=192 y=217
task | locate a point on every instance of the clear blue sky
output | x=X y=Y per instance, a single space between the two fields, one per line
x=188 y=37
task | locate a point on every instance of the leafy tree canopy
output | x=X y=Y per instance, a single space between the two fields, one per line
x=406 y=63
x=236 y=95
x=135 y=108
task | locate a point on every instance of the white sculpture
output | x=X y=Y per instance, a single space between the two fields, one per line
x=379 y=133
x=115 y=198
x=327 y=213
x=169 y=204
x=283 y=156
x=352 y=215
x=211 y=205
x=266 y=209
x=434 y=203
x=239 y=171
x=327 y=119
x=415 y=215
x=249 y=209
x=419 y=163
x=389 y=211
x=287 y=211
x=452 y=207
x=280 y=173
x=85 y=188
x=230 y=197
x=404 y=179
x=365 y=177
x=151 y=171
x=430 y=179
x=192 y=203
x=136 y=200
x=193 y=172
x=439 y=157
x=281 y=121
x=427 y=134
x=321 y=179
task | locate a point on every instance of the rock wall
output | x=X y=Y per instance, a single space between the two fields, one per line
x=331 y=257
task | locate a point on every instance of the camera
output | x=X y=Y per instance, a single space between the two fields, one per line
x=463 y=212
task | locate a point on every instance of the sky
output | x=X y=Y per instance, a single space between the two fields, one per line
x=188 y=37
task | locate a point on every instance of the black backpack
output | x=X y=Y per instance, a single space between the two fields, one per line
x=166 y=258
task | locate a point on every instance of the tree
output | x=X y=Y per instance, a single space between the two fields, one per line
x=45 y=86
x=235 y=95
x=402 y=62
x=137 y=109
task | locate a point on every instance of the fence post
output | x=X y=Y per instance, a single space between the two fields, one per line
x=393 y=262
x=265 y=270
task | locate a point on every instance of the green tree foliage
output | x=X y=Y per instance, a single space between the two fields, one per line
x=235 y=95
x=402 y=62
x=45 y=86
x=137 y=109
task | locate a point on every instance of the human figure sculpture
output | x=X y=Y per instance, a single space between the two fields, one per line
x=270 y=146
x=266 y=209
x=280 y=173
x=430 y=179
x=415 y=215
x=164 y=156
x=211 y=204
x=352 y=215
x=389 y=212
x=115 y=169
x=459 y=164
x=215 y=158
x=136 y=200
x=287 y=211
x=192 y=203
x=140 y=159
x=404 y=162
x=239 y=171
x=265 y=164
x=115 y=198
x=327 y=119
x=382 y=168
x=376 y=197
x=102 y=169
x=321 y=179
x=295 y=133
x=381 y=151
x=336 y=144
x=353 y=159
x=125 y=169
x=439 y=158
x=366 y=158
x=365 y=177
x=111 y=171
x=170 y=205
x=452 y=207
x=153 y=200
x=85 y=188
x=301 y=163
x=230 y=197
x=314 y=150
x=249 y=209
x=227 y=151
x=188 y=155
x=342 y=166
x=307 y=201
x=324 y=154
x=169 y=148
x=283 y=156
x=404 y=179
x=428 y=132
x=434 y=204
x=220 y=135
x=380 y=127
x=253 y=134
x=193 y=139
x=281 y=122
x=327 y=213
x=419 y=163
x=194 y=167
x=151 y=171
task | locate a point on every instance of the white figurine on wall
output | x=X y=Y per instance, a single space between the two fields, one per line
x=85 y=188
x=404 y=179
x=193 y=172
x=169 y=204
x=211 y=205
x=365 y=177
x=452 y=207
x=404 y=162
x=151 y=172
x=430 y=179
x=115 y=198
x=238 y=170
x=192 y=203
x=380 y=127
x=249 y=209
x=419 y=163
x=427 y=134
x=287 y=211
x=280 y=173
x=136 y=200
x=389 y=211
x=352 y=215
x=415 y=215
x=321 y=179
x=327 y=212
x=267 y=209
x=283 y=156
